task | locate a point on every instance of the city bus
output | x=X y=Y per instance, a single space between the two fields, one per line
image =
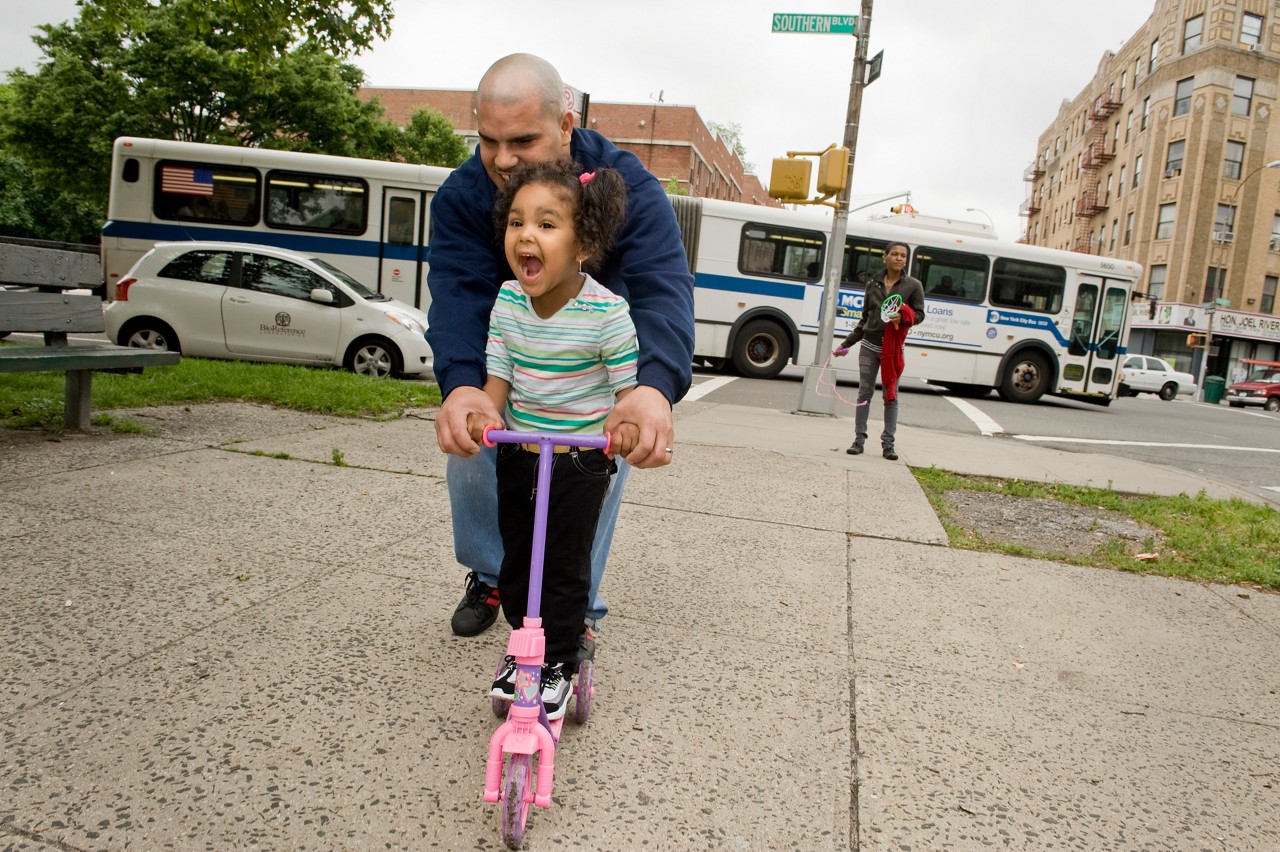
x=370 y=218
x=1023 y=320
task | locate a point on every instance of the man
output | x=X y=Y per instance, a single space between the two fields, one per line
x=521 y=118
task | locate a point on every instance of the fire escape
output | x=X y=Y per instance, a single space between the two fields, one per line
x=1090 y=202
x=1030 y=206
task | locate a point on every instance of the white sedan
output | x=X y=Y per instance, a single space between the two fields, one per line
x=1146 y=374
x=257 y=303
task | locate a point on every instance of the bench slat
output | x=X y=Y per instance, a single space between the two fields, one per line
x=35 y=359
x=50 y=312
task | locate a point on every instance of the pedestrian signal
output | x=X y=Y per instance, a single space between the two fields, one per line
x=789 y=179
x=1195 y=341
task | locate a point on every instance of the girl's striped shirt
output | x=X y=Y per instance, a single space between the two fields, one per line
x=566 y=370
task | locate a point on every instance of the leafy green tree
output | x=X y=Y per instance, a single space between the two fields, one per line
x=429 y=139
x=179 y=69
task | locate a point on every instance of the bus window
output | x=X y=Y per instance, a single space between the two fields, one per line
x=132 y=170
x=951 y=274
x=400 y=221
x=1028 y=286
x=191 y=192
x=780 y=252
x=1082 y=321
x=862 y=260
x=1113 y=308
x=306 y=202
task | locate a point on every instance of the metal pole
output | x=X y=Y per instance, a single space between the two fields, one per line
x=810 y=401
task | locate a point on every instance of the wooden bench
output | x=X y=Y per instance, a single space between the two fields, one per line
x=56 y=315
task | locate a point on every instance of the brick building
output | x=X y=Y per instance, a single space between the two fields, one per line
x=1169 y=157
x=672 y=141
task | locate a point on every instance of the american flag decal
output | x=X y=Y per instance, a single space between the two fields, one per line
x=185 y=180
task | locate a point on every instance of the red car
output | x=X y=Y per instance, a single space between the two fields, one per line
x=1262 y=387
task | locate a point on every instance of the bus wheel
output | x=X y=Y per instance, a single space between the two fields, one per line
x=1026 y=379
x=761 y=349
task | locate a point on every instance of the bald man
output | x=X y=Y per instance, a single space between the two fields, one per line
x=522 y=118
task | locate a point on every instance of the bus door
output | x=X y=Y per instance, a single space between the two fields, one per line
x=1097 y=333
x=401 y=273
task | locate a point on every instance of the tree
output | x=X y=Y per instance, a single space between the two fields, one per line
x=732 y=135
x=179 y=70
x=429 y=139
x=341 y=29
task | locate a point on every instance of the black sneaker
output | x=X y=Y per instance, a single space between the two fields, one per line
x=504 y=686
x=856 y=449
x=890 y=454
x=556 y=688
x=587 y=643
x=478 y=610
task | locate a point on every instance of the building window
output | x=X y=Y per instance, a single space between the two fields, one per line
x=1128 y=228
x=1128 y=126
x=1251 y=29
x=1233 y=160
x=1173 y=162
x=1137 y=170
x=1275 y=233
x=1191 y=32
x=1155 y=52
x=1243 y=98
x=1182 y=97
x=1120 y=185
x=1268 y=305
x=1107 y=197
x=1155 y=283
x=1214 y=283
x=1224 y=221
x=1137 y=68
x=1164 y=224
x=1146 y=112
x=1115 y=230
x=1124 y=80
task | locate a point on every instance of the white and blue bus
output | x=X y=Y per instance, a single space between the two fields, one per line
x=368 y=217
x=1024 y=320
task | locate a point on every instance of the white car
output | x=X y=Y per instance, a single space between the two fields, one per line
x=1145 y=374
x=257 y=303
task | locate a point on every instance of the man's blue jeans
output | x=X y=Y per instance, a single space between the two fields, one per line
x=477 y=542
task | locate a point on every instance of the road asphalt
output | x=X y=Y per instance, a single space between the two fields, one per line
x=233 y=632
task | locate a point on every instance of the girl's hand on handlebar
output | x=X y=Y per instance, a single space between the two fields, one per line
x=623 y=439
x=478 y=422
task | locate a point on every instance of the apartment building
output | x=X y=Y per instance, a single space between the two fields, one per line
x=671 y=140
x=1170 y=156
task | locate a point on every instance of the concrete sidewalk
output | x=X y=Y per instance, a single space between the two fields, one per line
x=219 y=638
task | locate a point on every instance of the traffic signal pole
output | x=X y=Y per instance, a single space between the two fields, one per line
x=810 y=400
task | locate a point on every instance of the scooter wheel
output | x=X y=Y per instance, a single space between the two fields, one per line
x=517 y=795
x=583 y=688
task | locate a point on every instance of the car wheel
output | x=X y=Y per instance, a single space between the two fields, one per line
x=1026 y=379
x=373 y=356
x=761 y=349
x=1272 y=403
x=149 y=333
x=1169 y=391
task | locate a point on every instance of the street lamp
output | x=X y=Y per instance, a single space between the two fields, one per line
x=1219 y=272
x=984 y=213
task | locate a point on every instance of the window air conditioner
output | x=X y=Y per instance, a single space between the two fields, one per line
x=1223 y=236
x=1275 y=243
x=1172 y=173
x=1253 y=47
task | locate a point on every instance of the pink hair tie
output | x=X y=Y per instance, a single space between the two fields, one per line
x=585 y=177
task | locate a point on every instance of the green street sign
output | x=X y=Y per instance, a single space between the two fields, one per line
x=787 y=22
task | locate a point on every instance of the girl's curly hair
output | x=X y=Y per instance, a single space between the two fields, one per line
x=599 y=202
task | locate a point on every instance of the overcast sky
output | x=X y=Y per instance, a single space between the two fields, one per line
x=967 y=85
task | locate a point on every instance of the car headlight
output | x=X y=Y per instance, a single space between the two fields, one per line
x=407 y=321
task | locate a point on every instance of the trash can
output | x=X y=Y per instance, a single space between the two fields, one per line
x=1215 y=387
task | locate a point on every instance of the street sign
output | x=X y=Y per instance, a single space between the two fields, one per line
x=786 y=22
x=873 y=67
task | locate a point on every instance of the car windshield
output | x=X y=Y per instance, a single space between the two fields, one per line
x=360 y=290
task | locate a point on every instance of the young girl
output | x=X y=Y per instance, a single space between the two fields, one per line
x=561 y=349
